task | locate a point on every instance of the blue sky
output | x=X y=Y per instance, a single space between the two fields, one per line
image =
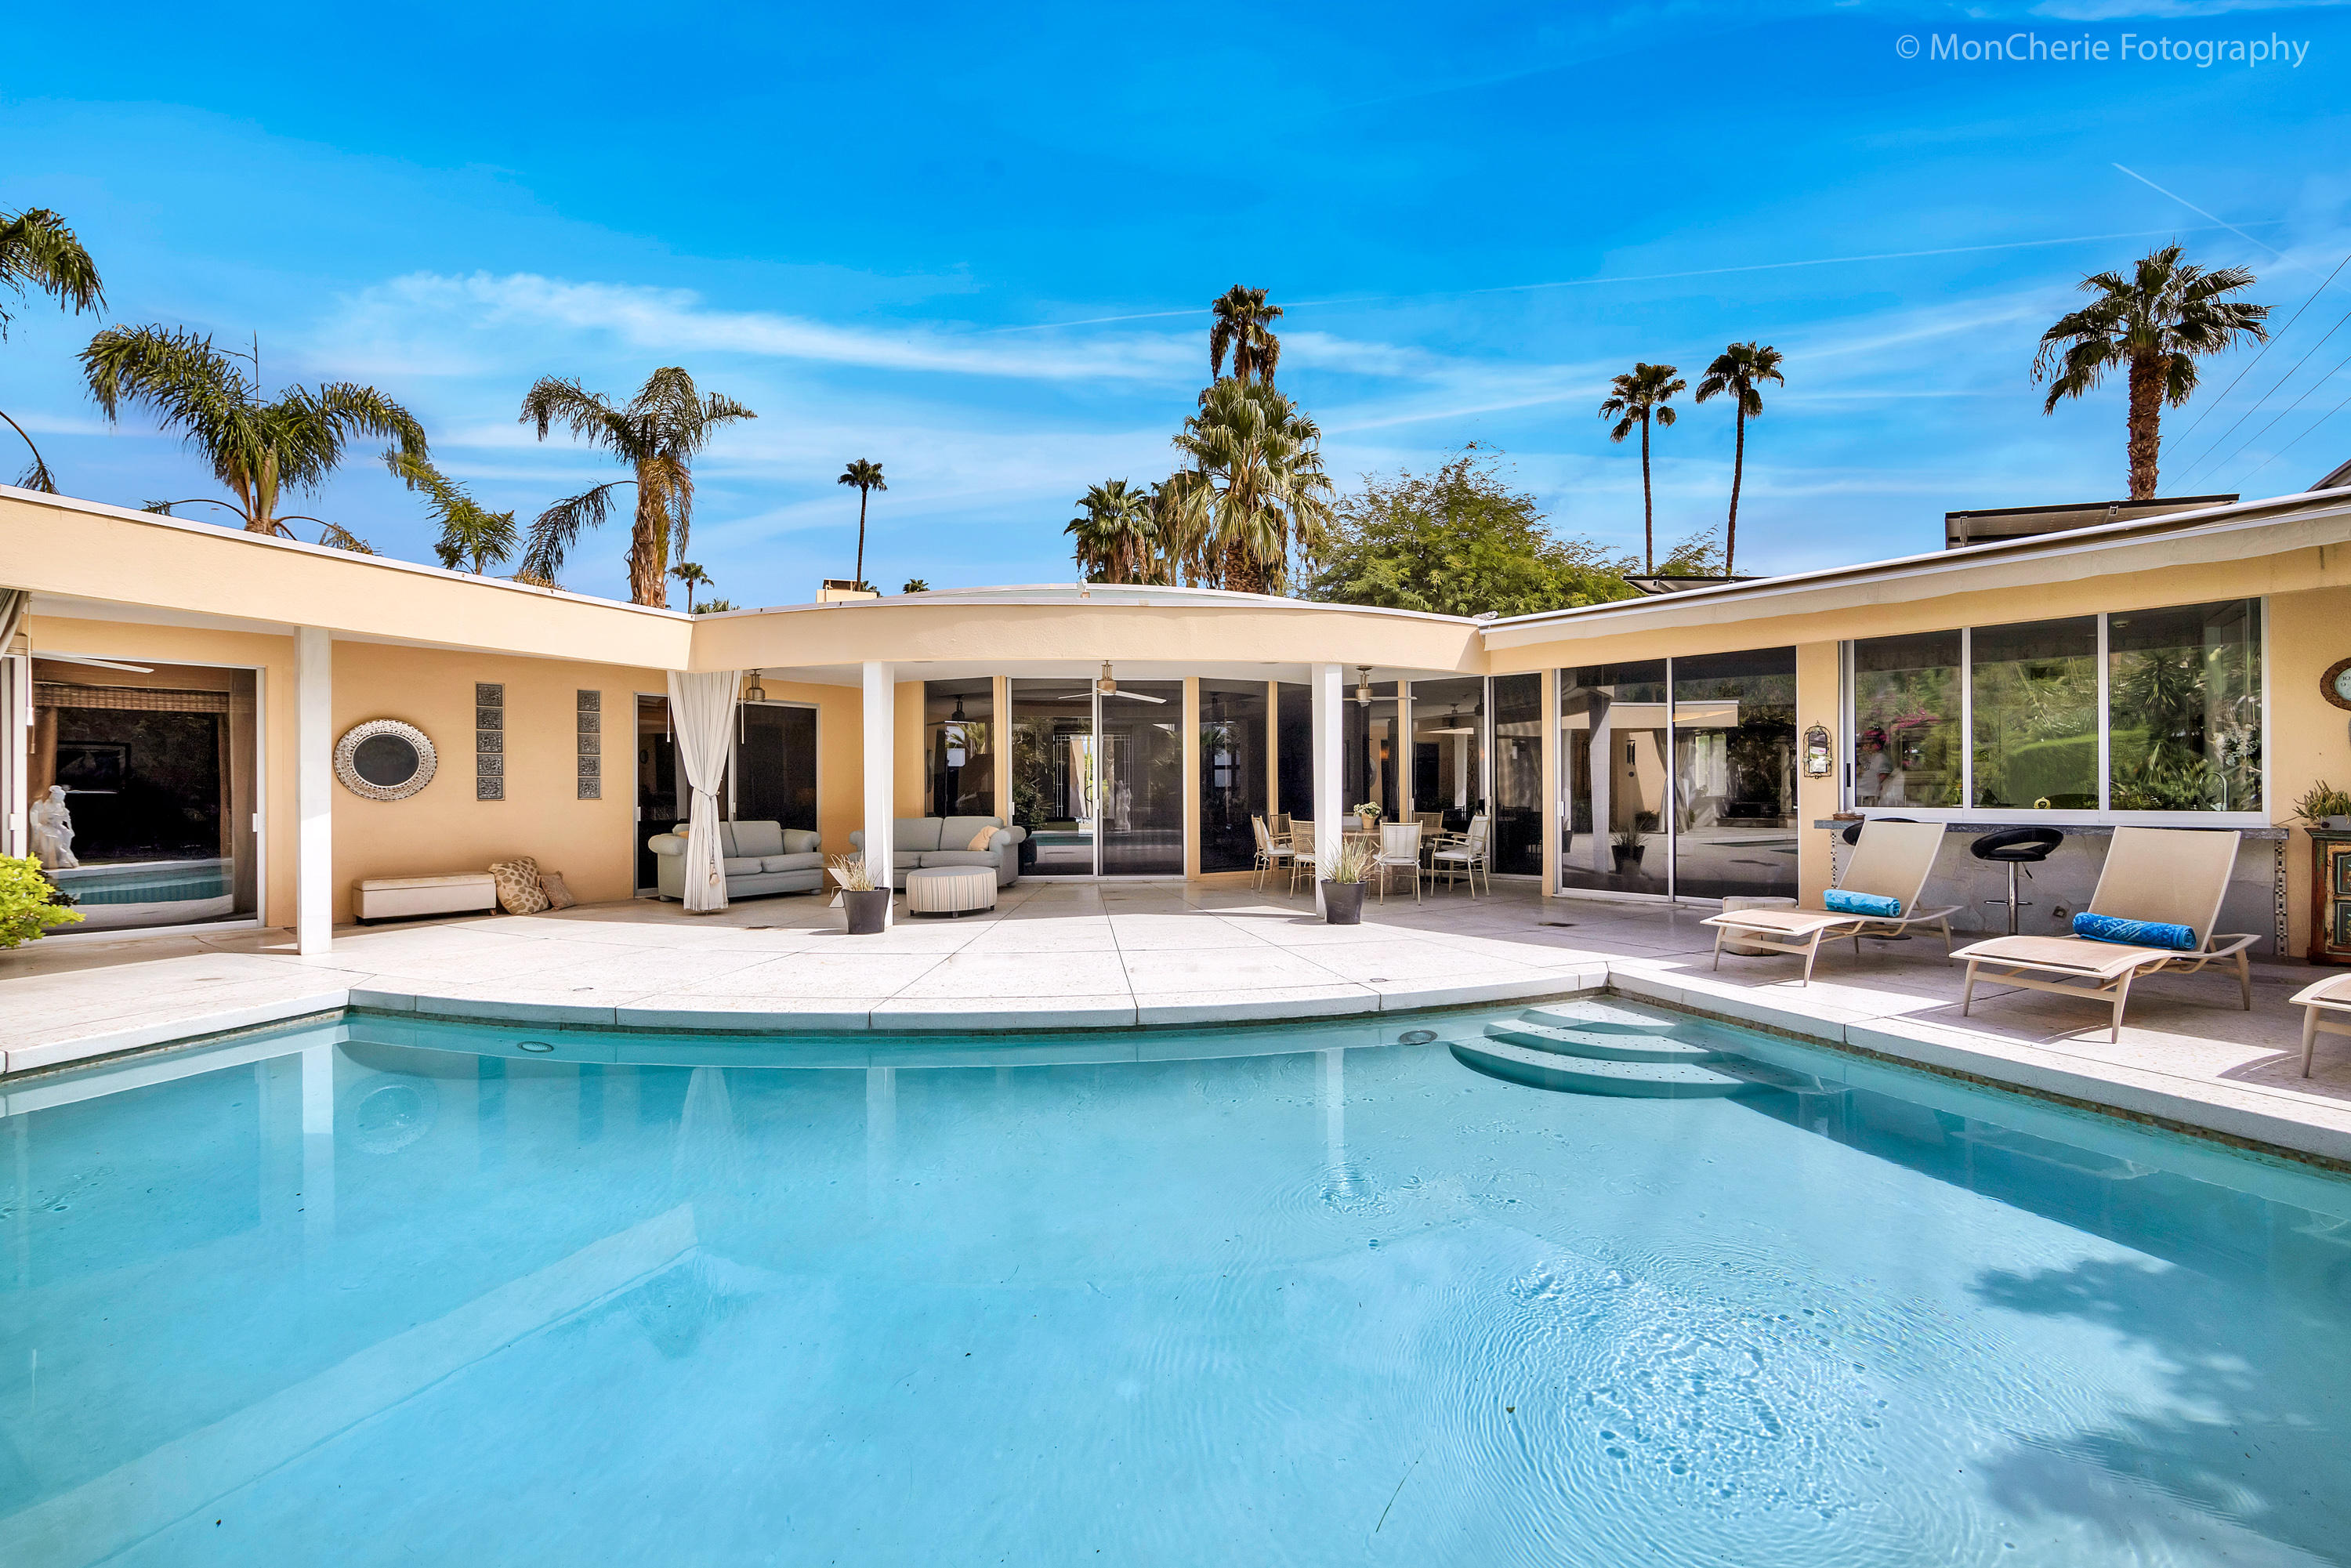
x=976 y=244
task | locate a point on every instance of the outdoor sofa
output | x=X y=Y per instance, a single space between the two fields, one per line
x=756 y=857
x=922 y=842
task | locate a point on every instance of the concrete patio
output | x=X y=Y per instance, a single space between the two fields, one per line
x=1108 y=954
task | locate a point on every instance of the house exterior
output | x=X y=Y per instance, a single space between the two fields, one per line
x=186 y=686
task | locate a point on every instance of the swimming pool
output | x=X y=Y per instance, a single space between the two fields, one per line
x=393 y=1289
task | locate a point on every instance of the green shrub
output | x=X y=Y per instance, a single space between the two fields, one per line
x=30 y=902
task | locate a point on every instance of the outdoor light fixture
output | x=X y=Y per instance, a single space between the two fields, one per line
x=957 y=716
x=1106 y=686
x=1363 y=685
x=755 y=692
x=1818 y=763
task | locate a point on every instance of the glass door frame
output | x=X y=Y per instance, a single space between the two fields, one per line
x=21 y=783
x=735 y=749
x=1100 y=783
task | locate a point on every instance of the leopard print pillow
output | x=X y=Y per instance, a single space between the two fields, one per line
x=519 y=888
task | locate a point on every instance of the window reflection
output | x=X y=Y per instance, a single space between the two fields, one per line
x=1614 y=751
x=1905 y=721
x=2184 y=708
x=1735 y=773
x=2036 y=715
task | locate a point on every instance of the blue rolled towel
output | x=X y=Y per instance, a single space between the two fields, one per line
x=1845 y=903
x=2135 y=932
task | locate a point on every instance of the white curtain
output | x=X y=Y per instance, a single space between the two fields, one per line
x=12 y=605
x=702 y=714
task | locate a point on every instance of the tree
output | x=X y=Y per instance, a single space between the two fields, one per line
x=658 y=433
x=867 y=477
x=1459 y=541
x=1244 y=324
x=469 y=531
x=258 y=450
x=1739 y=371
x=1255 y=494
x=915 y=585
x=693 y=576
x=39 y=253
x=1117 y=534
x=1638 y=397
x=2157 y=321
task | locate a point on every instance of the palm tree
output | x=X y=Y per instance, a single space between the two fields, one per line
x=1256 y=493
x=258 y=450
x=658 y=435
x=1244 y=324
x=1639 y=397
x=2156 y=321
x=1117 y=538
x=38 y=252
x=915 y=585
x=867 y=477
x=469 y=531
x=693 y=576
x=1739 y=369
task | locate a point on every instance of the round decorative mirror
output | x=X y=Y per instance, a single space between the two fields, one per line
x=384 y=760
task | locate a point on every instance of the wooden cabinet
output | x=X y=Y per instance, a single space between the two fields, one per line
x=2330 y=897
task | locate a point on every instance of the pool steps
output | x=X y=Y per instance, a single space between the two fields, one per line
x=1595 y=1049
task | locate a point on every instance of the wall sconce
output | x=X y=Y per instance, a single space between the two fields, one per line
x=755 y=692
x=1818 y=763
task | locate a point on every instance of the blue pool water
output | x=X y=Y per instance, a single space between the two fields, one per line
x=388 y=1291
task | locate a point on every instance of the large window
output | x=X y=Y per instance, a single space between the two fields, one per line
x=2036 y=714
x=2184 y=708
x=1735 y=773
x=142 y=791
x=1905 y=721
x=1232 y=772
x=1053 y=775
x=1368 y=748
x=1614 y=750
x=1518 y=774
x=1294 y=753
x=1447 y=770
x=774 y=776
x=960 y=746
x=2143 y=710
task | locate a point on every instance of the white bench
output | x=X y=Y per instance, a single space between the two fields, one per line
x=398 y=897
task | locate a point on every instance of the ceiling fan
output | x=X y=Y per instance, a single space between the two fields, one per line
x=1106 y=686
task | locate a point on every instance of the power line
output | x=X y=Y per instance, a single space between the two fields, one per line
x=2288 y=408
x=2298 y=440
x=2198 y=460
x=2267 y=344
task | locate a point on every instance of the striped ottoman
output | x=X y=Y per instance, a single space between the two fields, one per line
x=950 y=889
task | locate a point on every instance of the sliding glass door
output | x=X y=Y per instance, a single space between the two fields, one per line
x=1099 y=780
x=1140 y=751
x=1053 y=775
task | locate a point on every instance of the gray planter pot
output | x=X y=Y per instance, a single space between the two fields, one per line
x=1343 y=902
x=867 y=911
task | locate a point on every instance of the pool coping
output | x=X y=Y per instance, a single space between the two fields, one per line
x=2305 y=1128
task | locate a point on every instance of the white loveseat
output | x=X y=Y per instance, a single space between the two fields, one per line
x=757 y=858
x=923 y=842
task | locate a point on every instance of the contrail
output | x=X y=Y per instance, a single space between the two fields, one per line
x=1646 y=277
x=2202 y=213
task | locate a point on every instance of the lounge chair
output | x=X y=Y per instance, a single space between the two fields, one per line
x=2168 y=877
x=1891 y=861
x=2324 y=1006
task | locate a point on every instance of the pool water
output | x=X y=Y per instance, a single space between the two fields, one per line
x=391 y=1290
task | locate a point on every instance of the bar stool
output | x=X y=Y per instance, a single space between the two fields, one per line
x=2015 y=847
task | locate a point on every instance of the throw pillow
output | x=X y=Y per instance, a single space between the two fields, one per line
x=979 y=840
x=517 y=882
x=558 y=896
x=2135 y=932
x=1842 y=902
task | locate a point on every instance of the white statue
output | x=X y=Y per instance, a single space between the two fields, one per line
x=53 y=831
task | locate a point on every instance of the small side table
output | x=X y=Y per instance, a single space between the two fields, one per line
x=2330 y=897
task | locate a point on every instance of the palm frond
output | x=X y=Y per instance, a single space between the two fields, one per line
x=36 y=474
x=553 y=400
x=558 y=528
x=337 y=537
x=38 y=252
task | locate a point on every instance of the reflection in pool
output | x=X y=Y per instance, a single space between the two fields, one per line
x=394 y=1291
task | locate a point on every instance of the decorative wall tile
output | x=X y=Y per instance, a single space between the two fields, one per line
x=592 y=746
x=489 y=740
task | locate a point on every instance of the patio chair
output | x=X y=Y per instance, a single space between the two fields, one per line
x=2324 y=1006
x=1890 y=865
x=1463 y=854
x=1400 y=849
x=1269 y=853
x=2157 y=882
x=1302 y=852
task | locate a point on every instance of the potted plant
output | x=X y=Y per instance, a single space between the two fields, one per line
x=1627 y=849
x=1369 y=814
x=1349 y=869
x=868 y=906
x=2324 y=806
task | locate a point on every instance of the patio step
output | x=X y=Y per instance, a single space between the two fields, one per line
x=1597 y=1045
x=1582 y=1075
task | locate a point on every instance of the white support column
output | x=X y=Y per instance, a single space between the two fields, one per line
x=881 y=716
x=1330 y=768
x=314 y=783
